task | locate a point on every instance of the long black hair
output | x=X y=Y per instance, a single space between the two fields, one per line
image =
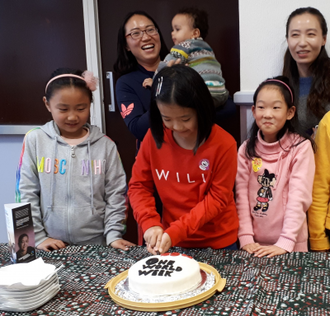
x=126 y=61
x=182 y=86
x=319 y=95
x=282 y=84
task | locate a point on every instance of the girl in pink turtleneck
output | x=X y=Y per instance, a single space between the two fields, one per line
x=275 y=175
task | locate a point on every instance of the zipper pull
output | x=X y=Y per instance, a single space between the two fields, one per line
x=73 y=155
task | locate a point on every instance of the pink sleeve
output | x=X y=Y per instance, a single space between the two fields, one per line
x=245 y=230
x=300 y=195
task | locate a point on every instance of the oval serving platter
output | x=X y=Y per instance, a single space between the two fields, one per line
x=218 y=286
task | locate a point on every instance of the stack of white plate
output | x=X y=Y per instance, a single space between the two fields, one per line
x=26 y=286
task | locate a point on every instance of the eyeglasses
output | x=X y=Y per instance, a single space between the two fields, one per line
x=137 y=34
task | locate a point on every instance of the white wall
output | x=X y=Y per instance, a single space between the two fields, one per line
x=10 y=149
x=263 y=44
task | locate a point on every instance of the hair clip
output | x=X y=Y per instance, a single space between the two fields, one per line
x=91 y=80
x=159 y=86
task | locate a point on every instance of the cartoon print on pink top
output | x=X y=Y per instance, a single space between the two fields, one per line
x=264 y=195
x=125 y=111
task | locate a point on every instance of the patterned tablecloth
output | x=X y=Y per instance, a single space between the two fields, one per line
x=291 y=284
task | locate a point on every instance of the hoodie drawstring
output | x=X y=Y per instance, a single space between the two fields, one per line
x=91 y=175
x=52 y=181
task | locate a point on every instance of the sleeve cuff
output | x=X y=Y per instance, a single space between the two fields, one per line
x=40 y=237
x=285 y=244
x=245 y=240
x=319 y=244
x=175 y=234
x=150 y=223
x=112 y=236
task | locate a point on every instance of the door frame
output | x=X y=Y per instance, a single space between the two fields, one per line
x=94 y=61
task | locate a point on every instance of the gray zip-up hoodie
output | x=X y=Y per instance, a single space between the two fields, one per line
x=77 y=193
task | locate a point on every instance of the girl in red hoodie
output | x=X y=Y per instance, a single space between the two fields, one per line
x=192 y=163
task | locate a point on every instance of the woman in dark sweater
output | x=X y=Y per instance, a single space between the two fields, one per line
x=140 y=48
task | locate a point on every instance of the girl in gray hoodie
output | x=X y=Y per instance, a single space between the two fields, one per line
x=70 y=172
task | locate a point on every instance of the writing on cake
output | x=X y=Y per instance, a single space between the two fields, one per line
x=165 y=274
x=158 y=267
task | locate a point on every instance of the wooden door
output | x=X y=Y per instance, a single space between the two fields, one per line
x=36 y=38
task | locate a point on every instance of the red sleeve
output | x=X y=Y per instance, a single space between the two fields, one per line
x=215 y=201
x=141 y=188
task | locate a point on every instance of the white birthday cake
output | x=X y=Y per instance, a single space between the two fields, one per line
x=166 y=274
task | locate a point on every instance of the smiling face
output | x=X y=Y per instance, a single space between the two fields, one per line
x=271 y=112
x=182 y=121
x=183 y=29
x=305 y=41
x=146 y=49
x=70 y=109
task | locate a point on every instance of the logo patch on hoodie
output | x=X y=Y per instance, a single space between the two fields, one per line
x=126 y=110
x=204 y=164
x=96 y=166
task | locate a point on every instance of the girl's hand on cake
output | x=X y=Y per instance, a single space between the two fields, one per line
x=251 y=248
x=153 y=237
x=271 y=251
x=122 y=244
x=51 y=244
x=165 y=243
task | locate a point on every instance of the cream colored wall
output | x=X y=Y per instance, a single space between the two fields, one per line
x=262 y=36
x=263 y=44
